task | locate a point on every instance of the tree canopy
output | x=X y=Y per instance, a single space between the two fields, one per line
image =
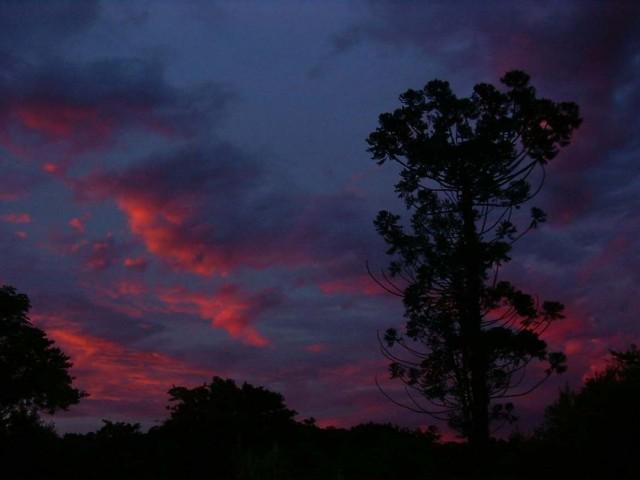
x=34 y=373
x=467 y=166
x=604 y=411
x=223 y=402
x=596 y=427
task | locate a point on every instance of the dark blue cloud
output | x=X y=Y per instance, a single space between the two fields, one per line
x=31 y=24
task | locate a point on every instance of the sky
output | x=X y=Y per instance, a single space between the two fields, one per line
x=186 y=190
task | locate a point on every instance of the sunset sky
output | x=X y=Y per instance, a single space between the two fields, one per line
x=186 y=191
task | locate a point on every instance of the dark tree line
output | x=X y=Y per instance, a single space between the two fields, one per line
x=224 y=430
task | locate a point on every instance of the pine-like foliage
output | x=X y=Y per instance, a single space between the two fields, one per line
x=467 y=166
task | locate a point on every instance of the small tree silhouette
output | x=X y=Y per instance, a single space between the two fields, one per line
x=222 y=403
x=593 y=432
x=467 y=165
x=229 y=426
x=604 y=412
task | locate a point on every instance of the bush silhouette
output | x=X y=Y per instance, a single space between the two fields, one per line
x=598 y=427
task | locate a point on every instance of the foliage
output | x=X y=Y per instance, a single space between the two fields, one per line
x=598 y=425
x=234 y=425
x=467 y=165
x=300 y=451
x=34 y=372
x=222 y=404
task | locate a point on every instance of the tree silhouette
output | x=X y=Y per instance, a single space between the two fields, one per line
x=467 y=165
x=223 y=403
x=33 y=371
x=597 y=427
x=223 y=423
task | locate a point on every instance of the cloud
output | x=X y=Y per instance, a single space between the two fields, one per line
x=57 y=111
x=78 y=224
x=345 y=394
x=580 y=51
x=228 y=308
x=213 y=210
x=139 y=141
x=119 y=379
x=179 y=205
x=316 y=347
x=32 y=25
x=94 y=253
x=138 y=263
x=16 y=218
x=17 y=182
x=102 y=254
x=359 y=285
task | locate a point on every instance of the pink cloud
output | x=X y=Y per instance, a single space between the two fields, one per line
x=78 y=224
x=56 y=121
x=111 y=372
x=128 y=296
x=360 y=285
x=130 y=287
x=16 y=218
x=102 y=254
x=316 y=347
x=362 y=401
x=228 y=308
x=59 y=130
x=138 y=263
x=173 y=228
x=161 y=228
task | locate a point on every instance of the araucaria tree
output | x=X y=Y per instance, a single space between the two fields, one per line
x=467 y=166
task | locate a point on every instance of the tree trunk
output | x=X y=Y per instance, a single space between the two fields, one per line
x=478 y=435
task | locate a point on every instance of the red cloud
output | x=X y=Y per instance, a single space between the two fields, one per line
x=127 y=296
x=587 y=350
x=73 y=128
x=170 y=226
x=16 y=218
x=161 y=227
x=361 y=285
x=59 y=121
x=316 y=347
x=96 y=254
x=205 y=213
x=129 y=287
x=78 y=224
x=228 y=308
x=362 y=400
x=138 y=263
x=103 y=254
x=112 y=372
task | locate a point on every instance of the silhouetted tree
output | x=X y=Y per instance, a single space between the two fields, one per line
x=466 y=166
x=240 y=426
x=598 y=426
x=118 y=431
x=223 y=403
x=34 y=373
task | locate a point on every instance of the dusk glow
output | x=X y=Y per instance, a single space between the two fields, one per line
x=186 y=189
